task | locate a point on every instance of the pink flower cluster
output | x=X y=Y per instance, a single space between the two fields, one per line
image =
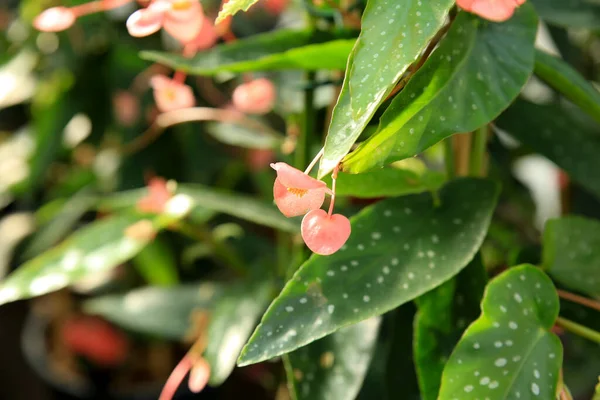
x=296 y=193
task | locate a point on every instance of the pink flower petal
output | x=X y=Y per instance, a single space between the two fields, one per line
x=170 y=95
x=183 y=10
x=294 y=178
x=493 y=10
x=54 y=19
x=207 y=37
x=199 y=376
x=144 y=22
x=325 y=234
x=293 y=202
x=255 y=97
x=184 y=30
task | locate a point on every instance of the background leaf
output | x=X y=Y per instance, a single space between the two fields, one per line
x=284 y=49
x=333 y=368
x=478 y=70
x=562 y=77
x=443 y=315
x=156 y=263
x=509 y=352
x=550 y=131
x=164 y=312
x=571 y=13
x=399 y=249
x=569 y=255
x=393 y=36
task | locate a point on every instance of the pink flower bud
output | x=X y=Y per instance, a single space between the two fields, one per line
x=145 y=22
x=493 y=10
x=255 y=97
x=55 y=19
x=171 y=95
x=325 y=234
x=295 y=192
x=199 y=376
x=126 y=108
x=157 y=197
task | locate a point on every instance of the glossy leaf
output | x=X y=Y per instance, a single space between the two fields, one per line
x=334 y=367
x=550 y=131
x=569 y=253
x=509 y=352
x=478 y=70
x=562 y=77
x=571 y=13
x=443 y=315
x=157 y=311
x=231 y=323
x=393 y=36
x=100 y=246
x=231 y=7
x=387 y=182
x=399 y=249
x=285 y=49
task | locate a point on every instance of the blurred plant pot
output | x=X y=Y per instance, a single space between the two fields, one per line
x=35 y=347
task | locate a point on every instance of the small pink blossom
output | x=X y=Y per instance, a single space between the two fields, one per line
x=199 y=375
x=493 y=10
x=325 y=234
x=157 y=197
x=55 y=19
x=171 y=95
x=255 y=97
x=295 y=192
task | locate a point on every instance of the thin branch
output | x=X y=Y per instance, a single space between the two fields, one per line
x=575 y=298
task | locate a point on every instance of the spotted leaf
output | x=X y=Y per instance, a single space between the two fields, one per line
x=231 y=7
x=569 y=253
x=333 y=367
x=399 y=249
x=443 y=315
x=393 y=36
x=509 y=352
x=478 y=70
x=100 y=246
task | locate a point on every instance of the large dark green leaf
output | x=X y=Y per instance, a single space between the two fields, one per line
x=285 y=49
x=550 y=131
x=509 y=352
x=570 y=13
x=100 y=246
x=399 y=249
x=231 y=322
x=443 y=315
x=477 y=71
x=335 y=366
x=570 y=255
x=393 y=36
x=562 y=77
x=157 y=311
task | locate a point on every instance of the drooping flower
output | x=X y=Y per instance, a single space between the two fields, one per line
x=55 y=19
x=255 y=97
x=171 y=95
x=493 y=10
x=182 y=19
x=295 y=192
x=323 y=233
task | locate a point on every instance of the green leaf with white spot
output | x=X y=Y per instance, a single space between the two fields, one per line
x=570 y=253
x=562 y=77
x=478 y=70
x=333 y=367
x=443 y=315
x=509 y=352
x=158 y=311
x=100 y=246
x=399 y=249
x=231 y=322
x=572 y=13
x=387 y=182
x=280 y=50
x=552 y=132
x=393 y=36
x=231 y=7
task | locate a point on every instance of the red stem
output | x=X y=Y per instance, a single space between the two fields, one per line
x=176 y=377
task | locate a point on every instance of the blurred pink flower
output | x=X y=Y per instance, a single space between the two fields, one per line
x=182 y=19
x=199 y=375
x=126 y=107
x=493 y=10
x=255 y=97
x=171 y=95
x=325 y=234
x=55 y=19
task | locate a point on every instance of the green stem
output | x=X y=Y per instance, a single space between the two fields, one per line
x=578 y=329
x=449 y=158
x=478 y=149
